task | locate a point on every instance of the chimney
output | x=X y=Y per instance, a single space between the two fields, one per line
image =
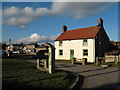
x=64 y=28
x=100 y=22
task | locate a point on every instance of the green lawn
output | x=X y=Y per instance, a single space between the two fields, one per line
x=22 y=74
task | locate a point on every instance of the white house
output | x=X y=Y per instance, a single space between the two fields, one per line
x=88 y=43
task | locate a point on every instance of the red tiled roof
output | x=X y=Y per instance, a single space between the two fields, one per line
x=81 y=33
x=114 y=52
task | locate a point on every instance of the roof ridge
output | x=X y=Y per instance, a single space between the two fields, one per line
x=82 y=28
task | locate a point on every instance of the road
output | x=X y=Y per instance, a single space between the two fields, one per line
x=94 y=76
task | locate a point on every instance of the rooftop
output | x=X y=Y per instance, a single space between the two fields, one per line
x=81 y=33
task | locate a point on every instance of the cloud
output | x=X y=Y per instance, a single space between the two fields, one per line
x=23 y=26
x=11 y=11
x=78 y=9
x=21 y=17
x=15 y=16
x=36 y=38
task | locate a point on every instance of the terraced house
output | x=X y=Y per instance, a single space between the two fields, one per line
x=88 y=43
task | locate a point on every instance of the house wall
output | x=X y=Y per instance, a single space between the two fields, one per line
x=102 y=43
x=78 y=47
x=30 y=46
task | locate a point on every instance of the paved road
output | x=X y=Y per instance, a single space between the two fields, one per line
x=95 y=77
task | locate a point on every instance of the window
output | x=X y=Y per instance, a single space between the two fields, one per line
x=85 y=43
x=60 y=43
x=61 y=52
x=85 y=52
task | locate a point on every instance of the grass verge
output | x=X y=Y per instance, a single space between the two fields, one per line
x=22 y=74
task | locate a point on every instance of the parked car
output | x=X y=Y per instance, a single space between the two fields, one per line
x=17 y=52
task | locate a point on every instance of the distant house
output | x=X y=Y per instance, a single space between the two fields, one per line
x=39 y=47
x=30 y=47
x=88 y=43
x=114 y=45
x=14 y=47
x=118 y=45
x=114 y=53
x=10 y=47
x=17 y=47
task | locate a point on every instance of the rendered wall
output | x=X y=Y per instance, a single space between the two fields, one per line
x=78 y=47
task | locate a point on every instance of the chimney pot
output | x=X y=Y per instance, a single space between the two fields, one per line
x=100 y=22
x=64 y=28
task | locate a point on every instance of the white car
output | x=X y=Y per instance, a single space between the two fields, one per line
x=16 y=52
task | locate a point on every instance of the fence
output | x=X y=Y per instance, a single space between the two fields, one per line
x=108 y=58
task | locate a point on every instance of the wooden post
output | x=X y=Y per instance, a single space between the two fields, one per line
x=45 y=63
x=115 y=59
x=38 y=63
x=83 y=61
x=96 y=60
x=102 y=60
x=73 y=60
x=118 y=58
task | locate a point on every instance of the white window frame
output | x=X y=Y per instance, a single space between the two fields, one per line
x=85 y=53
x=60 y=43
x=60 y=52
x=85 y=42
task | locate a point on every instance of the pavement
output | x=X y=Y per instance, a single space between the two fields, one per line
x=94 y=76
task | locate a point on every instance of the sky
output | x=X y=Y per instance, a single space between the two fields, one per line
x=42 y=21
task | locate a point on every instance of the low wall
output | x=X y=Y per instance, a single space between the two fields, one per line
x=112 y=58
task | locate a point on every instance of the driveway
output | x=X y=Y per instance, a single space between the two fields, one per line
x=95 y=77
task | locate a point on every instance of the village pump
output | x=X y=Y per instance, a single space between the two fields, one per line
x=46 y=58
